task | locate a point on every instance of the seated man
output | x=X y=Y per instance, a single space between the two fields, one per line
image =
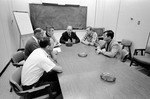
x=39 y=68
x=90 y=37
x=33 y=42
x=69 y=36
x=50 y=33
x=111 y=48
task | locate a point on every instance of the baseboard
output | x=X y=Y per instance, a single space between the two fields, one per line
x=5 y=68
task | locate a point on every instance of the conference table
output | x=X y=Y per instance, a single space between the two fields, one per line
x=81 y=76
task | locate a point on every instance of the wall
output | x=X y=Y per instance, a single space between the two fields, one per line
x=115 y=15
x=99 y=13
x=9 y=35
x=6 y=33
x=128 y=28
x=111 y=14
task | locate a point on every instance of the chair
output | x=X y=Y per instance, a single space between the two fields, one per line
x=15 y=82
x=127 y=44
x=17 y=58
x=143 y=59
x=100 y=32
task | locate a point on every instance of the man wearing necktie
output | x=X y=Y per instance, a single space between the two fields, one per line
x=69 y=36
x=111 y=48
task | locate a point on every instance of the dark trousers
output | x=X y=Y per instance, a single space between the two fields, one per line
x=47 y=78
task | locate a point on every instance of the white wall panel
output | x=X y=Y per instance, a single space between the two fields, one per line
x=111 y=14
x=20 y=5
x=99 y=16
x=6 y=37
x=131 y=12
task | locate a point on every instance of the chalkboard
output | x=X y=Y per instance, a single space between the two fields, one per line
x=58 y=16
x=23 y=22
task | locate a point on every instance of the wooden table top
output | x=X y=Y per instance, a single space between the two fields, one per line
x=81 y=76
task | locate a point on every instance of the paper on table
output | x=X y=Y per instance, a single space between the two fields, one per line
x=58 y=49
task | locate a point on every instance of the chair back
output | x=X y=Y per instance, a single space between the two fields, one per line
x=15 y=83
x=18 y=56
x=147 y=50
x=99 y=31
x=126 y=43
x=15 y=80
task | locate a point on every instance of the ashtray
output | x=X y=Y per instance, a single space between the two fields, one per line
x=69 y=44
x=108 y=77
x=82 y=54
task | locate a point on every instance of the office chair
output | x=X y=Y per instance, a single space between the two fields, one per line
x=143 y=59
x=15 y=82
x=18 y=59
x=126 y=44
x=100 y=32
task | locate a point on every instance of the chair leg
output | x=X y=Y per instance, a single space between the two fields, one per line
x=10 y=89
x=131 y=62
x=130 y=57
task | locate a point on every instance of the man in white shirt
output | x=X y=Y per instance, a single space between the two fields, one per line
x=39 y=67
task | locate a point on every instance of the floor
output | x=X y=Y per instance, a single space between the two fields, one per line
x=4 y=84
x=4 y=79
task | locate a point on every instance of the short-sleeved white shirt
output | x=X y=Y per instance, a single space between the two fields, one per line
x=35 y=65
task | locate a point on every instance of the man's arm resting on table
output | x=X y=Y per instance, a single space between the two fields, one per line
x=53 y=56
x=112 y=53
x=57 y=69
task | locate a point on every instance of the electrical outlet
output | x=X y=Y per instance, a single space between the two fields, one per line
x=138 y=23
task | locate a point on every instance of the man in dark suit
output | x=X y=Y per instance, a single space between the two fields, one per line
x=33 y=42
x=69 y=36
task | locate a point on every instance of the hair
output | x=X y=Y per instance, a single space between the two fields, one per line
x=91 y=29
x=110 y=33
x=69 y=26
x=51 y=27
x=37 y=30
x=44 y=42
